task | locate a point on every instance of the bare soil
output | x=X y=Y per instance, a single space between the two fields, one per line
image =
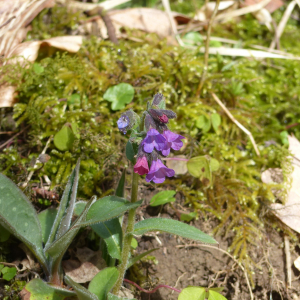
x=180 y=265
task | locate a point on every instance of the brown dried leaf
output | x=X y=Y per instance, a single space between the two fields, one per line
x=79 y=272
x=289 y=213
x=179 y=166
x=146 y=19
x=86 y=266
x=7 y=96
x=29 y=50
x=270 y=7
x=15 y=16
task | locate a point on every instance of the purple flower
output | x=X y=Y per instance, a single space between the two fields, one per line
x=153 y=140
x=173 y=141
x=158 y=172
x=123 y=123
x=141 y=167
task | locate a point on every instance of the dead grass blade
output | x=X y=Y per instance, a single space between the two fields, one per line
x=247 y=53
x=282 y=23
x=106 y=5
x=237 y=123
x=242 y=11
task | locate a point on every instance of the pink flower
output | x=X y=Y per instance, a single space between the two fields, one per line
x=158 y=172
x=173 y=141
x=141 y=167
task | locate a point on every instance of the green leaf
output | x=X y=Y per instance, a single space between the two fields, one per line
x=79 y=207
x=173 y=227
x=193 y=38
x=39 y=290
x=214 y=165
x=192 y=293
x=66 y=206
x=162 y=197
x=121 y=185
x=57 y=249
x=69 y=200
x=103 y=282
x=200 y=293
x=18 y=216
x=134 y=243
x=4 y=234
x=81 y=292
x=188 y=217
x=114 y=297
x=120 y=95
x=133 y=260
x=108 y=208
x=111 y=232
x=38 y=69
x=203 y=123
x=216 y=121
x=284 y=137
x=1 y=267
x=129 y=151
x=199 y=167
x=64 y=139
x=9 y=273
x=215 y=295
x=47 y=218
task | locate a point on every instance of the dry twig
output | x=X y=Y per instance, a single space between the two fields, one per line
x=206 y=53
x=238 y=124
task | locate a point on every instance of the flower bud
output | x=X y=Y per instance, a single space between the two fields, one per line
x=127 y=121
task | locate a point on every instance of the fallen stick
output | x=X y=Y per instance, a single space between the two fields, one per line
x=237 y=123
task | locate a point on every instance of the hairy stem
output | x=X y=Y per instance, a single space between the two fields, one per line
x=128 y=236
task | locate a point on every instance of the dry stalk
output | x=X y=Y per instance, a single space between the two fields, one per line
x=283 y=21
x=225 y=252
x=206 y=53
x=167 y=7
x=238 y=124
x=24 y=184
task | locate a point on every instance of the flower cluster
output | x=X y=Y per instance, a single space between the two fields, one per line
x=157 y=139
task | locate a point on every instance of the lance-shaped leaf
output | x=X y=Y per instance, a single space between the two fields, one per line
x=133 y=260
x=66 y=207
x=173 y=227
x=108 y=208
x=38 y=289
x=57 y=249
x=47 y=218
x=81 y=292
x=18 y=216
x=103 y=282
x=111 y=232
x=121 y=185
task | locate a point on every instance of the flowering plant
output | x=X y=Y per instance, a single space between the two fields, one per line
x=154 y=138
x=49 y=233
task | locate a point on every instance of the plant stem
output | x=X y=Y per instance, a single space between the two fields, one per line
x=128 y=235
